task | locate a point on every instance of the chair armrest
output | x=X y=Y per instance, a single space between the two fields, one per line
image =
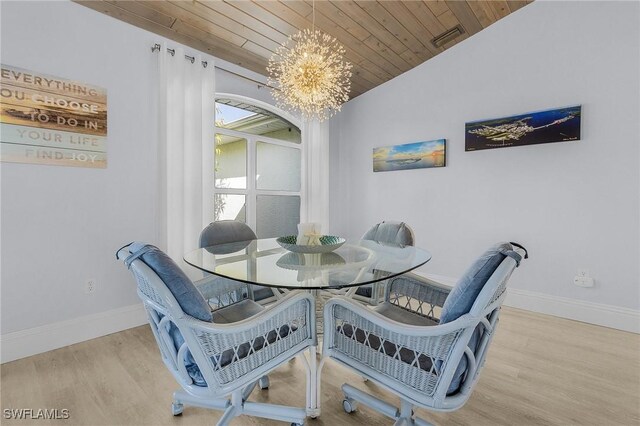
x=395 y=353
x=282 y=308
x=292 y=318
x=427 y=282
x=410 y=286
x=290 y=322
x=384 y=323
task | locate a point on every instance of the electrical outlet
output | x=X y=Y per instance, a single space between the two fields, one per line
x=90 y=286
x=583 y=279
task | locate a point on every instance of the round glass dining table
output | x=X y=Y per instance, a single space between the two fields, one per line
x=264 y=262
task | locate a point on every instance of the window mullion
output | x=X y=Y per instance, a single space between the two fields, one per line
x=276 y=192
x=279 y=142
x=230 y=191
x=251 y=182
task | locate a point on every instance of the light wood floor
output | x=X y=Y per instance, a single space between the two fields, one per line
x=540 y=370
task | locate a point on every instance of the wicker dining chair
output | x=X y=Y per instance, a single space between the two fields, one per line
x=235 y=231
x=219 y=357
x=426 y=343
x=386 y=232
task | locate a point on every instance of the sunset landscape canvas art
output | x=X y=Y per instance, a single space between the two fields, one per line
x=417 y=155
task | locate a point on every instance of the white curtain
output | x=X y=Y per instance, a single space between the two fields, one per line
x=315 y=205
x=187 y=90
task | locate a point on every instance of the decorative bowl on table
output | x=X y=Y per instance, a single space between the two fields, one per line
x=328 y=243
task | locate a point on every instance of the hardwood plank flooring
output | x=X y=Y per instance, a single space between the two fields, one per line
x=541 y=370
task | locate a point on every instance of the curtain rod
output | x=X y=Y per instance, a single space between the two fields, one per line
x=156 y=48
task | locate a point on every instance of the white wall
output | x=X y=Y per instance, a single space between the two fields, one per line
x=574 y=205
x=61 y=225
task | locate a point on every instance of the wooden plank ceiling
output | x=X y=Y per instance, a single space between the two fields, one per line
x=383 y=38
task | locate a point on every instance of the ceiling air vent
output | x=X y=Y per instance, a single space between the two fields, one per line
x=447 y=36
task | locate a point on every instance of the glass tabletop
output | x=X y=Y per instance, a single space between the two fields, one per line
x=265 y=263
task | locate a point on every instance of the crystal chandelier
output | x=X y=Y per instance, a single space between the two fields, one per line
x=310 y=74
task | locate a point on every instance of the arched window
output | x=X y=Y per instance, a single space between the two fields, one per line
x=257 y=166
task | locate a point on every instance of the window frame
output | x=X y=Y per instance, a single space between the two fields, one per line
x=251 y=192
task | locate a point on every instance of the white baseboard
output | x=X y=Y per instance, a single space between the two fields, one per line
x=32 y=341
x=625 y=319
x=620 y=318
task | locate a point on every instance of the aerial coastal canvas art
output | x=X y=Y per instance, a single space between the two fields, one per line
x=418 y=155
x=554 y=125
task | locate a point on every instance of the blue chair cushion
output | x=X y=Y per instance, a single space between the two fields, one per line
x=390 y=232
x=226 y=231
x=182 y=288
x=235 y=236
x=192 y=368
x=461 y=299
x=469 y=286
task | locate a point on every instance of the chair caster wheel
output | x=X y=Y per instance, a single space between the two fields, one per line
x=349 y=405
x=297 y=424
x=263 y=383
x=176 y=408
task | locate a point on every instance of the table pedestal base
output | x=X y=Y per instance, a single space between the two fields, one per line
x=314 y=368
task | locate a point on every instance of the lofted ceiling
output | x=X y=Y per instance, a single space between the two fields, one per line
x=383 y=38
